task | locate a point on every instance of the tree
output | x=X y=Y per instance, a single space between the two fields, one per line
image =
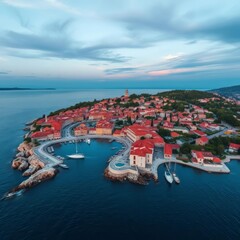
x=164 y=132
x=129 y=120
x=185 y=148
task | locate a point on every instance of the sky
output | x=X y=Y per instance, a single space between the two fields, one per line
x=120 y=43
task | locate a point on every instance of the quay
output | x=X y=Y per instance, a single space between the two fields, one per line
x=210 y=169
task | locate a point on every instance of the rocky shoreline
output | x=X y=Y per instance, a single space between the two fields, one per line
x=32 y=167
x=141 y=179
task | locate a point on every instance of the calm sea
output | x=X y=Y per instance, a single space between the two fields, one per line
x=81 y=204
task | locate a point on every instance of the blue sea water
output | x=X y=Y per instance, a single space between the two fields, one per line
x=80 y=203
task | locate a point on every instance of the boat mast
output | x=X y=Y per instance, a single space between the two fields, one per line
x=76 y=148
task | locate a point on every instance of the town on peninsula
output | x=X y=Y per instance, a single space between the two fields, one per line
x=194 y=128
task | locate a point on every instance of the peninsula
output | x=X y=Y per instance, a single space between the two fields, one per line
x=19 y=89
x=194 y=128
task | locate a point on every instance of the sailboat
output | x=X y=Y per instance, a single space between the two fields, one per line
x=76 y=155
x=168 y=175
x=175 y=177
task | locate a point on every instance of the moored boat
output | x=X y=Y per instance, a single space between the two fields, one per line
x=176 y=178
x=169 y=177
x=76 y=155
x=63 y=166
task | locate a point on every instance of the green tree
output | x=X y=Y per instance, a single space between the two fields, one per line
x=185 y=148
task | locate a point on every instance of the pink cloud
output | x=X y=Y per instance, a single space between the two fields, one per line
x=171 y=71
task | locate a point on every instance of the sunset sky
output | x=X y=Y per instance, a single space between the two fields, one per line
x=114 y=43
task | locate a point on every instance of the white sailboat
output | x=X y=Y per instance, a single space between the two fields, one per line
x=168 y=175
x=175 y=177
x=76 y=155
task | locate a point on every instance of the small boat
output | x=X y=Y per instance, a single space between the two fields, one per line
x=114 y=148
x=88 y=141
x=76 y=155
x=63 y=166
x=13 y=194
x=176 y=178
x=168 y=177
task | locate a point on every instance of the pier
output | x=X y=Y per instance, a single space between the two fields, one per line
x=213 y=169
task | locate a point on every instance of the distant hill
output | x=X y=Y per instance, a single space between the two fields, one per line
x=16 y=88
x=186 y=95
x=233 y=91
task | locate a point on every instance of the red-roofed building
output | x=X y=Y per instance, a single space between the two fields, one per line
x=82 y=129
x=202 y=141
x=205 y=158
x=135 y=132
x=104 y=127
x=233 y=147
x=167 y=151
x=174 y=135
x=199 y=133
x=141 y=153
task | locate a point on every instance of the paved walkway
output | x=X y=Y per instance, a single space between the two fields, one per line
x=52 y=161
x=215 y=169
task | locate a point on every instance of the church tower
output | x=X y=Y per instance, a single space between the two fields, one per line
x=126 y=93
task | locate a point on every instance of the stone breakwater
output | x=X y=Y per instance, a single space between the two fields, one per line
x=31 y=166
x=38 y=177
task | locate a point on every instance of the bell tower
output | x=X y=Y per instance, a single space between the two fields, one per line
x=126 y=93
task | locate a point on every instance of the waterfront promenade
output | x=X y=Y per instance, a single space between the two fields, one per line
x=49 y=160
x=213 y=169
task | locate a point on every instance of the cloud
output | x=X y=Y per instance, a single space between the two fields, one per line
x=62 y=6
x=169 y=21
x=41 y=4
x=3 y=73
x=120 y=70
x=19 y=3
x=55 y=45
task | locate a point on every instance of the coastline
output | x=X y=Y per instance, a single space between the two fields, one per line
x=39 y=165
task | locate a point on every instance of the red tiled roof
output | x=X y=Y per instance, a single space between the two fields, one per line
x=216 y=160
x=234 y=146
x=168 y=149
x=203 y=139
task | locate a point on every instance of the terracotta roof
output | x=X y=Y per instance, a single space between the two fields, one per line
x=168 y=149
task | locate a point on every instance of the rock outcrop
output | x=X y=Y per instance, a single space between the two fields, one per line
x=36 y=178
x=31 y=170
x=16 y=163
x=26 y=160
x=23 y=166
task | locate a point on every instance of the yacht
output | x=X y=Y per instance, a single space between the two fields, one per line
x=176 y=178
x=76 y=155
x=168 y=175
